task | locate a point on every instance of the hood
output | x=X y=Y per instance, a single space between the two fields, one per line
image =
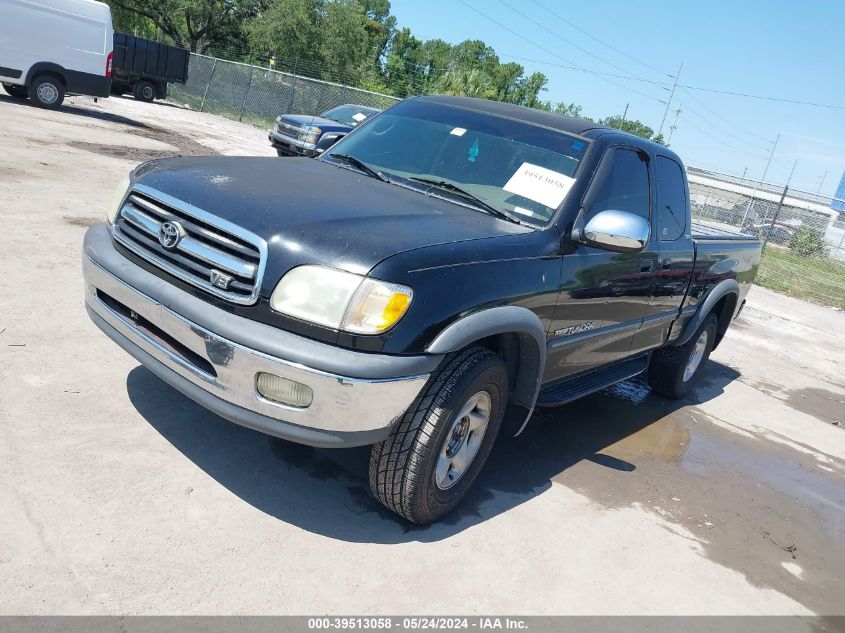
x=301 y=120
x=312 y=212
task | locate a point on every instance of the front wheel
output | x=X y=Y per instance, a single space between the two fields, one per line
x=673 y=371
x=436 y=451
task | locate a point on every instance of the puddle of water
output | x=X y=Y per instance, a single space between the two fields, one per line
x=760 y=508
x=820 y=403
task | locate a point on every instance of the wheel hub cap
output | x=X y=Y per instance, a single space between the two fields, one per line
x=463 y=440
x=47 y=93
x=696 y=356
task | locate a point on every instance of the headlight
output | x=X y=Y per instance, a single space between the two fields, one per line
x=340 y=300
x=117 y=199
x=309 y=134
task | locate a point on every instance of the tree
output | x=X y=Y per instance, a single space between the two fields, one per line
x=190 y=23
x=467 y=82
x=632 y=126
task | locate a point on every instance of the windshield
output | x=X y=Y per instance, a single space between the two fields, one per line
x=520 y=169
x=350 y=114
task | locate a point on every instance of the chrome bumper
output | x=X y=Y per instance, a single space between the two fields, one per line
x=344 y=411
x=277 y=139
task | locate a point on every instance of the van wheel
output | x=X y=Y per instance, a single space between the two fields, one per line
x=430 y=461
x=144 y=91
x=18 y=92
x=47 y=91
x=673 y=371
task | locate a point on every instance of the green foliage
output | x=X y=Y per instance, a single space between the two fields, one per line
x=819 y=279
x=189 y=23
x=353 y=42
x=632 y=127
x=807 y=242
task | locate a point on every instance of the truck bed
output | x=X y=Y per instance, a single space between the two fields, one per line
x=136 y=57
x=717 y=231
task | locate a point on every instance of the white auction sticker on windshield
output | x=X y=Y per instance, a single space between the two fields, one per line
x=458 y=131
x=540 y=184
x=360 y=116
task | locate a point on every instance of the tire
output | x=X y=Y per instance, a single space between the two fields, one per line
x=144 y=91
x=47 y=91
x=404 y=473
x=17 y=92
x=667 y=370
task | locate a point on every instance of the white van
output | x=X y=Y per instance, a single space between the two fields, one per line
x=52 y=47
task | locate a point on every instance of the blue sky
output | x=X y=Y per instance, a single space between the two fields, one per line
x=793 y=50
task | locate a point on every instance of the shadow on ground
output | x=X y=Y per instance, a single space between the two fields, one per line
x=325 y=491
x=80 y=111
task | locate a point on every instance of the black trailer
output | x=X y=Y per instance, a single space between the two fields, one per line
x=144 y=67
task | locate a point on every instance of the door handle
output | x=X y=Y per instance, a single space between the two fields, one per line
x=646 y=265
x=667 y=264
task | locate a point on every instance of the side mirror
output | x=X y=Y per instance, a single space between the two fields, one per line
x=617 y=231
x=326 y=141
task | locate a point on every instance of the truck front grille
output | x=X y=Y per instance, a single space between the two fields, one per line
x=289 y=129
x=195 y=246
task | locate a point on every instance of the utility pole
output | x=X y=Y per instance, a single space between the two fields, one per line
x=822 y=182
x=669 y=102
x=762 y=179
x=674 y=125
x=768 y=229
x=744 y=171
x=624 y=116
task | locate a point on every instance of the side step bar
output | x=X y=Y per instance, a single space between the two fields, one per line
x=585 y=384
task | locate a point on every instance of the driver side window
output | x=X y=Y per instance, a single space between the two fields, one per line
x=626 y=187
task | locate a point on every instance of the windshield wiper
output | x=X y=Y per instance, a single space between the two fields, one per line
x=357 y=162
x=486 y=206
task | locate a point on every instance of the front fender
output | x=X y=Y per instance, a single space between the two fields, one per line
x=503 y=320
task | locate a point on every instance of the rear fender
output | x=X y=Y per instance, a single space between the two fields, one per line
x=723 y=289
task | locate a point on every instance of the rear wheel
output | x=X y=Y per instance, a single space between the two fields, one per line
x=18 y=92
x=673 y=371
x=144 y=91
x=430 y=461
x=47 y=91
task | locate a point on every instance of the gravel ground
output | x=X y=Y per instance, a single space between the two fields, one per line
x=118 y=495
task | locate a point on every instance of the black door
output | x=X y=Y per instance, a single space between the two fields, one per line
x=677 y=254
x=604 y=295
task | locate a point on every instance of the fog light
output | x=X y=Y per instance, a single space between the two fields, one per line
x=285 y=391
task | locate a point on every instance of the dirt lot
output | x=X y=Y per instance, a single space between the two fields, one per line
x=119 y=495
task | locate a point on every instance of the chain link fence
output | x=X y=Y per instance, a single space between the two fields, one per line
x=804 y=235
x=258 y=95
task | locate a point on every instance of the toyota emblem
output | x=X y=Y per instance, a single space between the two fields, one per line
x=169 y=234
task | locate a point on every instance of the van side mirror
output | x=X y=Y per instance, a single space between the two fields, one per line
x=617 y=231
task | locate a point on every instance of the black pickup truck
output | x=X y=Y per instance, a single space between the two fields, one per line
x=421 y=287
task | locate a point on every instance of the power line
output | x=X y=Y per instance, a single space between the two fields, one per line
x=574 y=66
x=603 y=43
x=723 y=143
x=722 y=118
x=566 y=41
x=715 y=126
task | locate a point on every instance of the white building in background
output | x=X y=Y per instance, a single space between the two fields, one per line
x=747 y=204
